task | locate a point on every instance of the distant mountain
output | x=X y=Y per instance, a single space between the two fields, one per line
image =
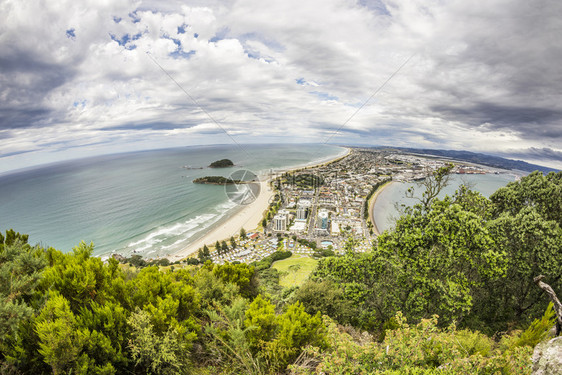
x=476 y=158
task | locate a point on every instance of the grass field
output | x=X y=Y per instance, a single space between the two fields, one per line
x=294 y=270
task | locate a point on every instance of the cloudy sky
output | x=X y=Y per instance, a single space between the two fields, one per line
x=80 y=78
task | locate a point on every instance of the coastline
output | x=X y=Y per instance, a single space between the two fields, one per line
x=372 y=202
x=248 y=217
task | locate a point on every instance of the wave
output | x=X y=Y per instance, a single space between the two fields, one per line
x=180 y=233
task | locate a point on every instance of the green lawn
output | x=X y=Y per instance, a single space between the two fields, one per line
x=294 y=270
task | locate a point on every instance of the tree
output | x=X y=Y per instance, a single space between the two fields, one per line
x=155 y=353
x=60 y=339
x=218 y=247
x=20 y=271
x=433 y=184
x=439 y=256
x=232 y=243
x=524 y=220
x=224 y=247
x=243 y=234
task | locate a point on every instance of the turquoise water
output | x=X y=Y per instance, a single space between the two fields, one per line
x=385 y=210
x=143 y=202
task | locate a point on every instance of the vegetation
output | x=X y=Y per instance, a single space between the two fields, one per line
x=215 y=180
x=450 y=290
x=304 y=180
x=294 y=271
x=223 y=163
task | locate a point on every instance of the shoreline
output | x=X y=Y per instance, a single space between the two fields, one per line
x=372 y=202
x=248 y=217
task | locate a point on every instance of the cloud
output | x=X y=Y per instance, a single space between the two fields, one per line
x=103 y=76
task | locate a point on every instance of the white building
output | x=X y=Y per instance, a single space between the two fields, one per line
x=280 y=223
x=302 y=209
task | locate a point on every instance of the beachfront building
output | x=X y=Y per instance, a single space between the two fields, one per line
x=302 y=209
x=280 y=223
x=323 y=219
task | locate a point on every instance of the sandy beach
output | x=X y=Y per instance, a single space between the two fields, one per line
x=249 y=217
x=372 y=205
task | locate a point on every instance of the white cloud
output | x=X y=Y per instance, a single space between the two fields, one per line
x=77 y=78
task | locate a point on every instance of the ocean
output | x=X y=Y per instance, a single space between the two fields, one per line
x=386 y=212
x=141 y=202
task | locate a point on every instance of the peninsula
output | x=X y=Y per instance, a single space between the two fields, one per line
x=216 y=180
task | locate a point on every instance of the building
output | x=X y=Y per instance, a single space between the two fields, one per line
x=280 y=223
x=302 y=209
x=323 y=219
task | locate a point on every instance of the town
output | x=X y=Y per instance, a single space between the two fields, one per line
x=325 y=209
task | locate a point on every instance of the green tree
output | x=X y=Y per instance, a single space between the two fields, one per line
x=296 y=329
x=20 y=271
x=243 y=233
x=433 y=184
x=61 y=340
x=260 y=321
x=232 y=243
x=158 y=353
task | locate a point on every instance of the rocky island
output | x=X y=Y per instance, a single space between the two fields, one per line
x=215 y=180
x=223 y=163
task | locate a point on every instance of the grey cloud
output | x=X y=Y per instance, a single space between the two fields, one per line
x=25 y=81
x=544 y=153
x=532 y=121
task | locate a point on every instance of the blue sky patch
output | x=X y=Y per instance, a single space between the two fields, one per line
x=180 y=53
x=70 y=34
x=324 y=95
x=182 y=28
x=125 y=39
x=117 y=19
x=220 y=35
x=134 y=17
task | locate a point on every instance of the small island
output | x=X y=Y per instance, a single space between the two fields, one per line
x=216 y=180
x=223 y=163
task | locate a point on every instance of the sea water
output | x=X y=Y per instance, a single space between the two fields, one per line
x=386 y=209
x=142 y=202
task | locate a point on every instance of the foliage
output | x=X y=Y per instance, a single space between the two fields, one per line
x=223 y=163
x=420 y=349
x=20 y=272
x=154 y=353
x=433 y=184
x=468 y=259
x=295 y=270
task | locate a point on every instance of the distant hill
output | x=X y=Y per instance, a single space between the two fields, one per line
x=476 y=158
x=223 y=163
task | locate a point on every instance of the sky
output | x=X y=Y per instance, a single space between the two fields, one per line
x=81 y=78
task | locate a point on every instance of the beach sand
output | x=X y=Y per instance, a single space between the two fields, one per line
x=372 y=206
x=249 y=217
